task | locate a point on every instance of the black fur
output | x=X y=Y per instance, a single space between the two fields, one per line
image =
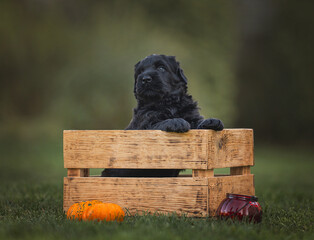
x=163 y=104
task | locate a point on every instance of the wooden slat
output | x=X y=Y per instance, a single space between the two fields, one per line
x=135 y=149
x=77 y=172
x=230 y=148
x=203 y=173
x=165 y=195
x=196 y=149
x=240 y=170
x=219 y=186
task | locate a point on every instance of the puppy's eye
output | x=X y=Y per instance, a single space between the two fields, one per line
x=161 y=68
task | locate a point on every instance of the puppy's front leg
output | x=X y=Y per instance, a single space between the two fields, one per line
x=178 y=125
x=211 y=123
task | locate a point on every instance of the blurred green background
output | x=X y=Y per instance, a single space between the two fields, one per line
x=69 y=65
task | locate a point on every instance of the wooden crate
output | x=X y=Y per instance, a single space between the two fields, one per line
x=197 y=195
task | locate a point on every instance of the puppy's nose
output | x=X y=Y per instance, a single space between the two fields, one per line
x=146 y=79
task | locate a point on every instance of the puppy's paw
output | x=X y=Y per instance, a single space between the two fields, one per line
x=211 y=123
x=178 y=125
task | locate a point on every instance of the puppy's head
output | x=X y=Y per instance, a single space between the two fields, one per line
x=157 y=76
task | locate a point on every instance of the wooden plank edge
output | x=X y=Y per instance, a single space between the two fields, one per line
x=220 y=186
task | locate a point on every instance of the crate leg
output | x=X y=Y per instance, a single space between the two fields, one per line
x=240 y=170
x=203 y=173
x=78 y=172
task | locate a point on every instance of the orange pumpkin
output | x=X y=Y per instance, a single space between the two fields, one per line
x=104 y=211
x=72 y=210
x=77 y=209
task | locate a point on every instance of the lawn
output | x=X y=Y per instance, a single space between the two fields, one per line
x=31 y=200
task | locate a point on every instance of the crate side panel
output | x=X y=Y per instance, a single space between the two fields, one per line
x=230 y=148
x=165 y=195
x=152 y=149
x=220 y=186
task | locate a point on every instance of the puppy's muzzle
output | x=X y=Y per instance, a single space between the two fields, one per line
x=146 y=79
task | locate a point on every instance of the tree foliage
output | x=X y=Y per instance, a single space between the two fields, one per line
x=69 y=64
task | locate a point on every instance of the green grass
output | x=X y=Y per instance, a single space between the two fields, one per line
x=31 y=200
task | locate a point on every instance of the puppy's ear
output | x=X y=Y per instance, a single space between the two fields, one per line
x=135 y=77
x=181 y=75
x=176 y=66
x=135 y=69
x=136 y=65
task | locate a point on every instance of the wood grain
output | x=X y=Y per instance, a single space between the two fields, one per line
x=240 y=170
x=220 y=186
x=134 y=149
x=77 y=172
x=195 y=197
x=165 y=195
x=203 y=173
x=230 y=148
x=196 y=149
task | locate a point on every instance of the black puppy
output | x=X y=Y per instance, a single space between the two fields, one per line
x=162 y=104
